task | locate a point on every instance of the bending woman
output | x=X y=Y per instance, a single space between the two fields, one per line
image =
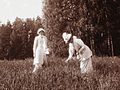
x=83 y=52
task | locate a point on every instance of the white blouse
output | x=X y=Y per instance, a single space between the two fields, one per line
x=40 y=42
x=82 y=49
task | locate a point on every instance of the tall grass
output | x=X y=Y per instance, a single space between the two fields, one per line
x=58 y=75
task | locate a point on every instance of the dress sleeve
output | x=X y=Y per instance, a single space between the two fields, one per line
x=35 y=45
x=45 y=42
x=71 y=51
x=81 y=44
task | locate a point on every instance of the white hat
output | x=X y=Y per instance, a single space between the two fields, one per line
x=39 y=30
x=66 y=36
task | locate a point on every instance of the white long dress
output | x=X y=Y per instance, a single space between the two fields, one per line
x=39 y=47
x=84 y=56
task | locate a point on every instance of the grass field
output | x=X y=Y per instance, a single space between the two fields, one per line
x=58 y=75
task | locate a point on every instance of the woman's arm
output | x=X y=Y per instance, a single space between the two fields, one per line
x=81 y=44
x=46 y=46
x=35 y=46
x=81 y=49
x=71 y=52
x=45 y=42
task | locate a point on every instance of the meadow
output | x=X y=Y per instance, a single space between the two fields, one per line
x=58 y=75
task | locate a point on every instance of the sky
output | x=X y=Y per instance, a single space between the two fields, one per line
x=10 y=9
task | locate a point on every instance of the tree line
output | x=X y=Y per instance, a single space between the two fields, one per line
x=16 y=39
x=95 y=21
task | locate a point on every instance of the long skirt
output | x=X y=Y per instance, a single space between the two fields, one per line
x=39 y=57
x=86 y=66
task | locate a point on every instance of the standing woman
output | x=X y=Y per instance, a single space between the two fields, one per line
x=39 y=49
x=83 y=52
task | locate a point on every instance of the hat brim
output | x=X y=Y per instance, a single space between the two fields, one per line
x=40 y=30
x=66 y=37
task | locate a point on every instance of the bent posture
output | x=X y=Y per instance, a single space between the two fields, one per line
x=83 y=52
x=39 y=49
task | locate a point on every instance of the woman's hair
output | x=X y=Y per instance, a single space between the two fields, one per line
x=71 y=39
x=43 y=33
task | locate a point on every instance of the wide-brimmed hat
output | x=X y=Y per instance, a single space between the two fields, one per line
x=66 y=37
x=39 y=30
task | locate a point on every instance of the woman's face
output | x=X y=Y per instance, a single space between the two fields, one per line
x=66 y=40
x=42 y=33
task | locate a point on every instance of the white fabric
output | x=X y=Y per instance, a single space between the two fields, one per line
x=47 y=51
x=39 y=49
x=66 y=37
x=37 y=66
x=71 y=51
x=84 y=54
x=86 y=66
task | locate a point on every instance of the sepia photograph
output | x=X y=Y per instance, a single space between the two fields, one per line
x=59 y=45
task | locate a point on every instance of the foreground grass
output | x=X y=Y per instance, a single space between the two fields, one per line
x=58 y=75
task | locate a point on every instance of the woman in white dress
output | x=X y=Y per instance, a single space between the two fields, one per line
x=83 y=52
x=39 y=49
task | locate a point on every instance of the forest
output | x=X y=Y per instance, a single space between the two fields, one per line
x=96 y=22
x=16 y=39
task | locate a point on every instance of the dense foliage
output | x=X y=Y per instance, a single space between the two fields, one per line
x=58 y=75
x=95 y=21
x=16 y=39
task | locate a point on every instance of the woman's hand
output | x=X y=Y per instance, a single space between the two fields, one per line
x=34 y=55
x=47 y=50
x=66 y=60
